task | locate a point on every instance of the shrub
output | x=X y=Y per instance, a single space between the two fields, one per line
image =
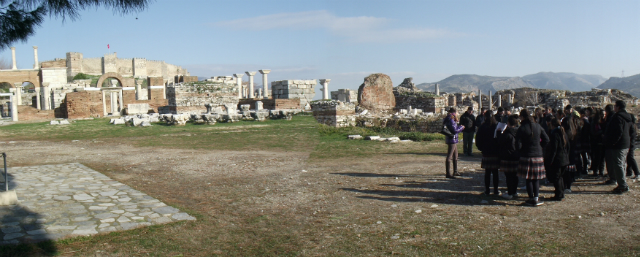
x=81 y=76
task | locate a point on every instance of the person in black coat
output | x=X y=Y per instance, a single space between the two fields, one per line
x=468 y=120
x=556 y=158
x=509 y=156
x=531 y=139
x=486 y=143
x=480 y=118
x=617 y=139
x=585 y=141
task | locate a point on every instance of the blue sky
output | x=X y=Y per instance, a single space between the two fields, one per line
x=347 y=40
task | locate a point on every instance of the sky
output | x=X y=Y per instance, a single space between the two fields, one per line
x=347 y=40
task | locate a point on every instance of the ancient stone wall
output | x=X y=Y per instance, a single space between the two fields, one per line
x=345 y=95
x=272 y=104
x=57 y=63
x=85 y=104
x=426 y=103
x=334 y=113
x=199 y=95
x=92 y=66
x=27 y=113
x=294 y=89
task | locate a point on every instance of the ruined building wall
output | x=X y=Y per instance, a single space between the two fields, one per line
x=294 y=89
x=195 y=96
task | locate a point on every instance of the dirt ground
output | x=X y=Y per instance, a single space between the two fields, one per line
x=282 y=203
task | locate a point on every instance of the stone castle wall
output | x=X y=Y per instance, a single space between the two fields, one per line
x=129 y=67
x=334 y=113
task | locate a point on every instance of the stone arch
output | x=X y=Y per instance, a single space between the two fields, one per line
x=110 y=75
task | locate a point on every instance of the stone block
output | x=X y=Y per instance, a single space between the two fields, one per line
x=54 y=122
x=142 y=108
x=64 y=122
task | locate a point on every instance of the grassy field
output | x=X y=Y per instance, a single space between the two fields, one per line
x=296 y=188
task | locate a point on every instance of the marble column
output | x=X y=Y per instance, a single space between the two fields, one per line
x=239 y=84
x=437 y=89
x=325 y=88
x=38 y=106
x=138 y=88
x=114 y=98
x=265 y=85
x=35 y=57
x=499 y=100
x=18 y=93
x=104 y=104
x=490 y=100
x=13 y=58
x=251 y=74
x=14 y=108
x=46 y=96
x=121 y=108
x=479 y=99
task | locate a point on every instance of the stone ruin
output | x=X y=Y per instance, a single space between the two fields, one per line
x=407 y=108
x=376 y=94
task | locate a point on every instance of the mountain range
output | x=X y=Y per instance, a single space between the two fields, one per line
x=542 y=80
x=629 y=84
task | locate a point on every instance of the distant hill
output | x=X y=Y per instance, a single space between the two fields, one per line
x=543 y=80
x=564 y=81
x=467 y=83
x=629 y=84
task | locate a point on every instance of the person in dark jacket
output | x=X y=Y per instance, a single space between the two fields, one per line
x=468 y=120
x=597 y=150
x=486 y=143
x=480 y=118
x=566 y=121
x=617 y=139
x=608 y=115
x=556 y=158
x=509 y=156
x=575 y=161
x=499 y=115
x=452 y=142
x=531 y=138
x=632 y=165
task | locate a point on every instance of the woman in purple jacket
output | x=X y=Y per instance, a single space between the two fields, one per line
x=451 y=121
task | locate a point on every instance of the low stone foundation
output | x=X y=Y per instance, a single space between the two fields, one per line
x=334 y=113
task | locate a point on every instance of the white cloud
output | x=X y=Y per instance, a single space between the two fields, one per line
x=361 y=29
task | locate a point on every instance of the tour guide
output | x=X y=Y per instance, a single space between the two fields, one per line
x=452 y=141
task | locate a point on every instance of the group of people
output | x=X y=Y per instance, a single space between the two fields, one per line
x=557 y=145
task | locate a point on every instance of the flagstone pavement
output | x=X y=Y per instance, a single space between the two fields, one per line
x=66 y=200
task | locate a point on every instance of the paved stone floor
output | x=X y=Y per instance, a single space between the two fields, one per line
x=66 y=200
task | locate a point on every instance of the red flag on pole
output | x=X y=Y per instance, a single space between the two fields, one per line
x=108 y=46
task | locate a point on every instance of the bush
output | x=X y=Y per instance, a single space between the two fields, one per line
x=81 y=76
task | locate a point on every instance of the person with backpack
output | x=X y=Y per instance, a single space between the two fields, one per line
x=468 y=120
x=486 y=143
x=509 y=156
x=451 y=123
x=617 y=139
x=531 y=139
x=556 y=158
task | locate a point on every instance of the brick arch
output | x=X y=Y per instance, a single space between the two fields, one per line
x=110 y=75
x=20 y=76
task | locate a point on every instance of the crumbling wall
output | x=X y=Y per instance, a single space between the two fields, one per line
x=273 y=104
x=196 y=96
x=376 y=93
x=334 y=113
